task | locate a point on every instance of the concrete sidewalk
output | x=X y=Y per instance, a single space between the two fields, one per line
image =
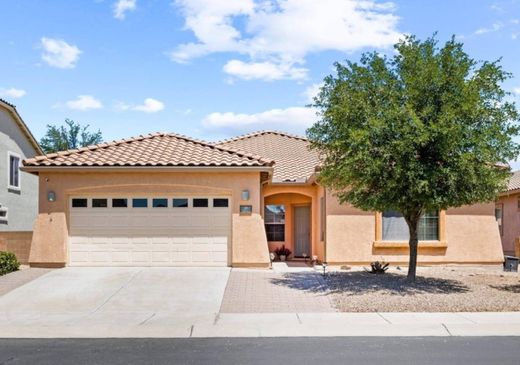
x=280 y=325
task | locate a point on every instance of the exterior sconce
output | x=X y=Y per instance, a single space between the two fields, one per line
x=245 y=195
x=51 y=196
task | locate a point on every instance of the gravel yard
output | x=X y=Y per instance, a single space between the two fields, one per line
x=437 y=289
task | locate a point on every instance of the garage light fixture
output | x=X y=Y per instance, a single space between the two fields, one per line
x=245 y=195
x=51 y=196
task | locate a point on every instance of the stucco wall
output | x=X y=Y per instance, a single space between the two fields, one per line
x=51 y=228
x=22 y=204
x=18 y=243
x=510 y=222
x=471 y=233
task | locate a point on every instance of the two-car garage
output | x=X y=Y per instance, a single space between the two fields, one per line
x=149 y=230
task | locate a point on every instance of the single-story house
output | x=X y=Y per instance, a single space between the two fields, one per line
x=18 y=189
x=168 y=200
x=508 y=214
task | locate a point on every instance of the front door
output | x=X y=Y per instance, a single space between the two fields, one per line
x=302 y=231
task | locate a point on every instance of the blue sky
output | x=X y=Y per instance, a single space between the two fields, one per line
x=213 y=69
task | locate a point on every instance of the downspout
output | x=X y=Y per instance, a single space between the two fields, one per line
x=325 y=225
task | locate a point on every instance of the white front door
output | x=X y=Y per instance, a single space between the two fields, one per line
x=149 y=231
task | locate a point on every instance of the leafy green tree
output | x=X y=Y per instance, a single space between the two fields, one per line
x=69 y=136
x=424 y=130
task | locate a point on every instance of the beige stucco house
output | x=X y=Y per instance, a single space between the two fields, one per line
x=508 y=215
x=169 y=200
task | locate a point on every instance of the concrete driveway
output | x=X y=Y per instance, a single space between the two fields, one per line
x=81 y=300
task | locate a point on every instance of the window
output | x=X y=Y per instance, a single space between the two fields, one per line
x=180 y=203
x=99 y=203
x=79 y=203
x=499 y=211
x=220 y=203
x=160 y=203
x=200 y=203
x=14 y=171
x=3 y=215
x=396 y=229
x=140 y=203
x=119 y=203
x=274 y=217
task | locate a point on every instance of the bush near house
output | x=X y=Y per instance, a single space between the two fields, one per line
x=8 y=262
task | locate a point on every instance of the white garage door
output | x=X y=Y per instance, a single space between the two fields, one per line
x=149 y=231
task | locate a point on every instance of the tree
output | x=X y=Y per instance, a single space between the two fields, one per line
x=69 y=136
x=424 y=130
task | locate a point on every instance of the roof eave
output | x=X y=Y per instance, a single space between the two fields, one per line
x=36 y=169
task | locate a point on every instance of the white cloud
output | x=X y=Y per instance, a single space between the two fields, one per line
x=58 y=53
x=311 y=91
x=293 y=119
x=494 y=28
x=280 y=34
x=121 y=7
x=12 y=93
x=83 y=103
x=264 y=70
x=149 y=105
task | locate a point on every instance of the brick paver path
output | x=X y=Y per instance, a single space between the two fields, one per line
x=250 y=291
x=18 y=278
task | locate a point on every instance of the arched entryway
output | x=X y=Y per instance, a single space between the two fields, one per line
x=288 y=221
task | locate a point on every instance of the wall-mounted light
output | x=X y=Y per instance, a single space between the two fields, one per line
x=51 y=196
x=245 y=195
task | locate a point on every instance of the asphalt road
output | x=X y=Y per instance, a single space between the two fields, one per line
x=287 y=351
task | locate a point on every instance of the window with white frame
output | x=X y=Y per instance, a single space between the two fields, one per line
x=396 y=229
x=14 y=171
x=274 y=218
x=3 y=215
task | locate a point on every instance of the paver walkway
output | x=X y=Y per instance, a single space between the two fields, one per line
x=258 y=291
x=16 y=279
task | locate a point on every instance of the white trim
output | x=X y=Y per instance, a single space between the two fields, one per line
x=9 y=186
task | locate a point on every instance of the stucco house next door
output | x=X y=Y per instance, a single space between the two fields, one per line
x=149 y=231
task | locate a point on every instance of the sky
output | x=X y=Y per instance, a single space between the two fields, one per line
x=213 y=69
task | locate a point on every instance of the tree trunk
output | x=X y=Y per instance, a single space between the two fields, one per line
x=413 y=223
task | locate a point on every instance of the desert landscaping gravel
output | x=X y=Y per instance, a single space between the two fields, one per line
x=437 y=289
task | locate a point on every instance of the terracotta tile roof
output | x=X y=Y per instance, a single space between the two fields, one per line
x=294 y=162
x=158 y=149
x=514 y=181
x=18 y=119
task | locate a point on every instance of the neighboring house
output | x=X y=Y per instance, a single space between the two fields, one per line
x=18 y=190
x=508 y=214
x=165 y=199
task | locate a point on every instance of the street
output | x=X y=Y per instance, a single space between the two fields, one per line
x=334 y=350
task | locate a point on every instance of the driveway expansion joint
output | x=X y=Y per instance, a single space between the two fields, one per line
x=446 y=328
x=116 y=292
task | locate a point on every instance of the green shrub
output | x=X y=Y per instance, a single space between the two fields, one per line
x=8 y=263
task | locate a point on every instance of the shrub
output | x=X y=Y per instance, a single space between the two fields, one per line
x=378 y=267
x=8 y=262
x=282 y=251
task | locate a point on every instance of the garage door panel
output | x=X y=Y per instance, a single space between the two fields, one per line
x=121 y=256
x=181 y=256
x=149 y=236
